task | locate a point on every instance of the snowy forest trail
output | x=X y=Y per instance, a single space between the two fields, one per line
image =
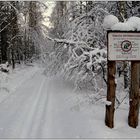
x=43 y=107
x=19 y=110
x=36 y=109
x=40 y=108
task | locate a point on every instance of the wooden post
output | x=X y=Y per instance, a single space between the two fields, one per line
x=111 y=87
x=139 y=78
x=134 y=95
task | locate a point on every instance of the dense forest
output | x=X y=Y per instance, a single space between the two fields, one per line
x=19 y=26
x=73 y=43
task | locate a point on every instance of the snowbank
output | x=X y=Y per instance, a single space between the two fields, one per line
x=4 y=67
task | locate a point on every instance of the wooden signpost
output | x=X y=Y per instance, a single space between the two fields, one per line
x=111 y=87
x=123 y=46
x=134 y=95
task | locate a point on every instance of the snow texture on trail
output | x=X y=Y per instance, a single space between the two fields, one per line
x=49 y=108
x=17 y=111
x=9 y=82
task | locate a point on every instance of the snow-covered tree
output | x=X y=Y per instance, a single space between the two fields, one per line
x=81 y=55
x=79 y=50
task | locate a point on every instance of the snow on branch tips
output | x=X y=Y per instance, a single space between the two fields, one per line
x=66 y=41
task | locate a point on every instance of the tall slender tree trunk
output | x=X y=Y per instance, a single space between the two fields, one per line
x=122 y=10
x=3 y=34
x=81 y=9
x=14 y=33
x=4 y=44
x=33 y=21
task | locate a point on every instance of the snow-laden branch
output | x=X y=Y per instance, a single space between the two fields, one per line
x=66 y=41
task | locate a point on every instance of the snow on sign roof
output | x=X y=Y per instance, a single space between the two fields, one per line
x=123 y=27
x=123 y=45
x=111 y=22
x=123 y=38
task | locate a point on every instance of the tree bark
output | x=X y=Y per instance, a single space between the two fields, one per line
x=122 y=10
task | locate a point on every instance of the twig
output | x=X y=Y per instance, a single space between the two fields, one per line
x=122 y=100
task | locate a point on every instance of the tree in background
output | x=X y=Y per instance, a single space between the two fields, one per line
x=14 y=32
x=4 y=22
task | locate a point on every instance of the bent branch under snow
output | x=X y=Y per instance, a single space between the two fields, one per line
x=65 y=41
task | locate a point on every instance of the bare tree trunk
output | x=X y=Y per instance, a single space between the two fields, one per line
x=81 y=9
x=13 y=59
x=126 y=74
x=14 y=31
x=33 y=22
x=4 y=43
x=3 y=34
x=122 y=10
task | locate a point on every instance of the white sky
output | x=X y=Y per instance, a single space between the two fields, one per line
x=47 y=13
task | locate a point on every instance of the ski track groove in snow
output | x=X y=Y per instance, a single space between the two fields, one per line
x=33 y=113
x=19 y=110
x=43 y=111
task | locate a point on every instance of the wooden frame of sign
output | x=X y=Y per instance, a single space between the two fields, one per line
x=123 y=46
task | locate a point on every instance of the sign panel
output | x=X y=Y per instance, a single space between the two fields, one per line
x=123 y=45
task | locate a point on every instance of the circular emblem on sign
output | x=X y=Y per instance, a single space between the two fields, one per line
x=126 y=46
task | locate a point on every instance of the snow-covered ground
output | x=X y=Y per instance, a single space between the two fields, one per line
x=9 y=82
x=43 y=107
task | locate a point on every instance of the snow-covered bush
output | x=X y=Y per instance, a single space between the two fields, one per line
x=85 y=69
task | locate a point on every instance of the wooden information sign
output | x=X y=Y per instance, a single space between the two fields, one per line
x=123 y=46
